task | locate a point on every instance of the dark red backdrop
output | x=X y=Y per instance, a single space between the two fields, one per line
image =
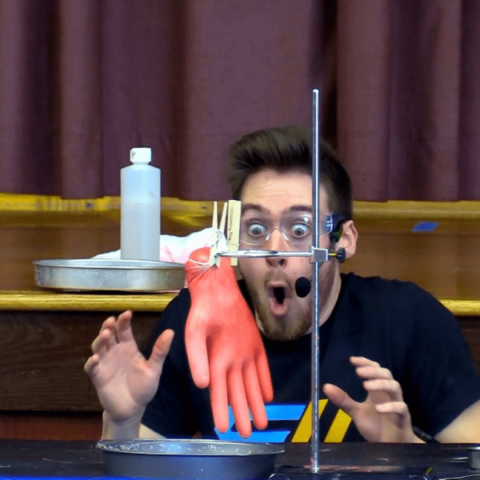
x=82 y=81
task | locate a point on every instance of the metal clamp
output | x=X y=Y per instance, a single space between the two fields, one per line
x=318 y=255
x=262 y=254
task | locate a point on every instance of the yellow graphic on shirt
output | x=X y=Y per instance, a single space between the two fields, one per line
x=304 y=429
x=336 y=432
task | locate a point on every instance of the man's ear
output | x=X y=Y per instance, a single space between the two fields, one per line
x=348 y=239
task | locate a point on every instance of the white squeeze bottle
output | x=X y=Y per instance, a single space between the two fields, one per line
x=140 y=207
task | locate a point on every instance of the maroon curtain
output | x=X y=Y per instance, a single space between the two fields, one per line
x=83 y=81
x=409 y=98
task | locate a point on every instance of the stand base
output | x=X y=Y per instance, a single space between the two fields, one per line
x=352 y=472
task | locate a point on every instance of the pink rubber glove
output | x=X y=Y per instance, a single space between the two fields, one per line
x=224 y=347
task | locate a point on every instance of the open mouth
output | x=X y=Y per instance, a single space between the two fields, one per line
x=279 y=294
x=279 y=299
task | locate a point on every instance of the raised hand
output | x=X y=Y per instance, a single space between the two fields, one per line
x=383 y=416
x=224 y=347
x=125 y=381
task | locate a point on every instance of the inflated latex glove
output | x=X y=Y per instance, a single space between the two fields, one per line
x=224 y=347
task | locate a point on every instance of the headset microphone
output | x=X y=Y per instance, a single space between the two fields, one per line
x=303 y=285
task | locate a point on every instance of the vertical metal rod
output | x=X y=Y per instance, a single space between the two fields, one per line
x=315 y=442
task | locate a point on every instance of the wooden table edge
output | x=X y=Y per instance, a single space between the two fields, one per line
x=157 y=302
x=21 y=300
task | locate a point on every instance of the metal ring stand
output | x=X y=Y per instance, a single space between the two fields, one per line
x=318 y=256
x=153 y=459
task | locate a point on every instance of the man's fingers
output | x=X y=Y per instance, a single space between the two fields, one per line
x=340 y=398
x=399 y=408
x=91 y=363
x=391 y=387
x=264 y=377
x=219 y=399
x=371 y=373
x=196 y=346
x=363 y=362
x=123 y=327
x=104 y=342
x=238 y=400
x=160 y=351
x=110 y=338
x=254 y=396
x=369 y=369
x=108 y=324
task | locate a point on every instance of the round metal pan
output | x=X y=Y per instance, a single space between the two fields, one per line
x=189 y=459
x=474 y=456
x=104 y=274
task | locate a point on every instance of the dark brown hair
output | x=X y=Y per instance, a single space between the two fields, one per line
x=285 y=149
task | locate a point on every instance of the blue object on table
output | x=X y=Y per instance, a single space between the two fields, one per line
x=425 y=227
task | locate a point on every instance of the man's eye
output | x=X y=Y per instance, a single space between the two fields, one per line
x=300 y=230
x=256 y=229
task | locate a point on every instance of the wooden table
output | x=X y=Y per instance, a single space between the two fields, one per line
x=49 y=459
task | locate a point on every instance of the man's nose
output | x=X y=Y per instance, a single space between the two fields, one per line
x=277 y=242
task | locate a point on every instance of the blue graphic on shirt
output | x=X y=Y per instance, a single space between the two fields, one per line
x=274 y=413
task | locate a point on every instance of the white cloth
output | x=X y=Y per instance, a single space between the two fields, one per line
x=178 y=249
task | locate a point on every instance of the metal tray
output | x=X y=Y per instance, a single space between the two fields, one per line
x=190 y=459
x=104 y=274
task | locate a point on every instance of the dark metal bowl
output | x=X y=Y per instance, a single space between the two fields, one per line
x=189 y=459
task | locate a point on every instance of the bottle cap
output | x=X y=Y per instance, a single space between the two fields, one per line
x=141 y=155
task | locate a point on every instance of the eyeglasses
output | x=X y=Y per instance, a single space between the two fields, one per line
x=296 y=228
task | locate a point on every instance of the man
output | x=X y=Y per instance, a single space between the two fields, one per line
x=393 y=360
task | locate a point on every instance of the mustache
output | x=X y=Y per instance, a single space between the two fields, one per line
x=276 y=276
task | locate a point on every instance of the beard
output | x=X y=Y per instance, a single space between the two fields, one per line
x=280 y=329
x=288 y=328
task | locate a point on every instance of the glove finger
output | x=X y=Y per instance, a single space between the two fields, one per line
x=254 y=396
x=196 y=346
x=219 y=399
x=238 y=400
x=264 y=377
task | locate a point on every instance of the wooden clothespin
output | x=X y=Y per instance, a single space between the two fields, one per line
x=233 y=228
x=216 y=234
x=233 y=207
x=214 y=243
x=221 y=230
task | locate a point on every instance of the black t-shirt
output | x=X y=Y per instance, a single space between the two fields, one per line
x=397 y=324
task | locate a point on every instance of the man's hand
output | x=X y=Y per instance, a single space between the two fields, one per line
x=125 y=381
x=383 y=416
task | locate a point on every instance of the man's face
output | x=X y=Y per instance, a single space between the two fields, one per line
x=271 y=281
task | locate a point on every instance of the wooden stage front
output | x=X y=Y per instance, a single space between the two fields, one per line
x=45 y=336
